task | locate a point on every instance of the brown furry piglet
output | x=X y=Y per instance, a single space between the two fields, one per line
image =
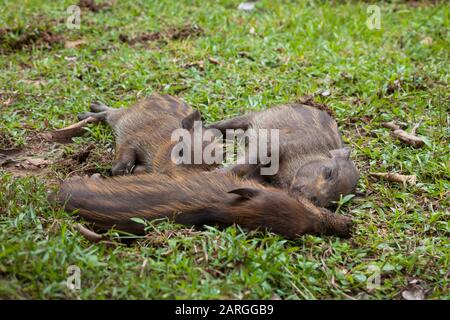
x=143 y=133
x=193 y=198
x=313 y=161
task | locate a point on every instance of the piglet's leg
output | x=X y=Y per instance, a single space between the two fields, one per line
x=99 y=111
x=125 y=161
x=241 y=122
x=101 y=116
x=99 y=107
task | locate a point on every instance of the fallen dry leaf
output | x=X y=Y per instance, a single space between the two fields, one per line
x=214 y=61
x=37 y=162
x=32 y=164
x=74 y=44
x=428 y=41
x=409 y=138
x=396 y=177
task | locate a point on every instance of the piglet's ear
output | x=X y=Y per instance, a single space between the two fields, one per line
x=246 y=193
x=343 y=153
x=188 y=122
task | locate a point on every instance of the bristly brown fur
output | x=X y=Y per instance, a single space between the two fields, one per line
x=194 y=198
x=307 y=136
x=143 y=133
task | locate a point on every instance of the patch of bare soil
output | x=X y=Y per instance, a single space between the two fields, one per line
x=24 y=38
x=51 y=161
x=30 y=160
x=6 y=142
x=172 y=33
x=84 y=160
x=91 y=5
x=413 y=3
x=422 y=3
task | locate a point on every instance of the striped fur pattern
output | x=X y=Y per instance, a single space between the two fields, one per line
x=196 y=198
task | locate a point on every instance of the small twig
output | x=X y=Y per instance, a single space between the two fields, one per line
x=396 y=177
x=74 y=130
x=94 y=237
x=390 y=125
x=417 y=125
x=409 y=138
x=214 y=61
x=144 y=264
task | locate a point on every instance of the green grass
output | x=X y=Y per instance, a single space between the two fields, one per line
x=294 y=49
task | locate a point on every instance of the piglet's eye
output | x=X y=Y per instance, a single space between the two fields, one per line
x=327 y=173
